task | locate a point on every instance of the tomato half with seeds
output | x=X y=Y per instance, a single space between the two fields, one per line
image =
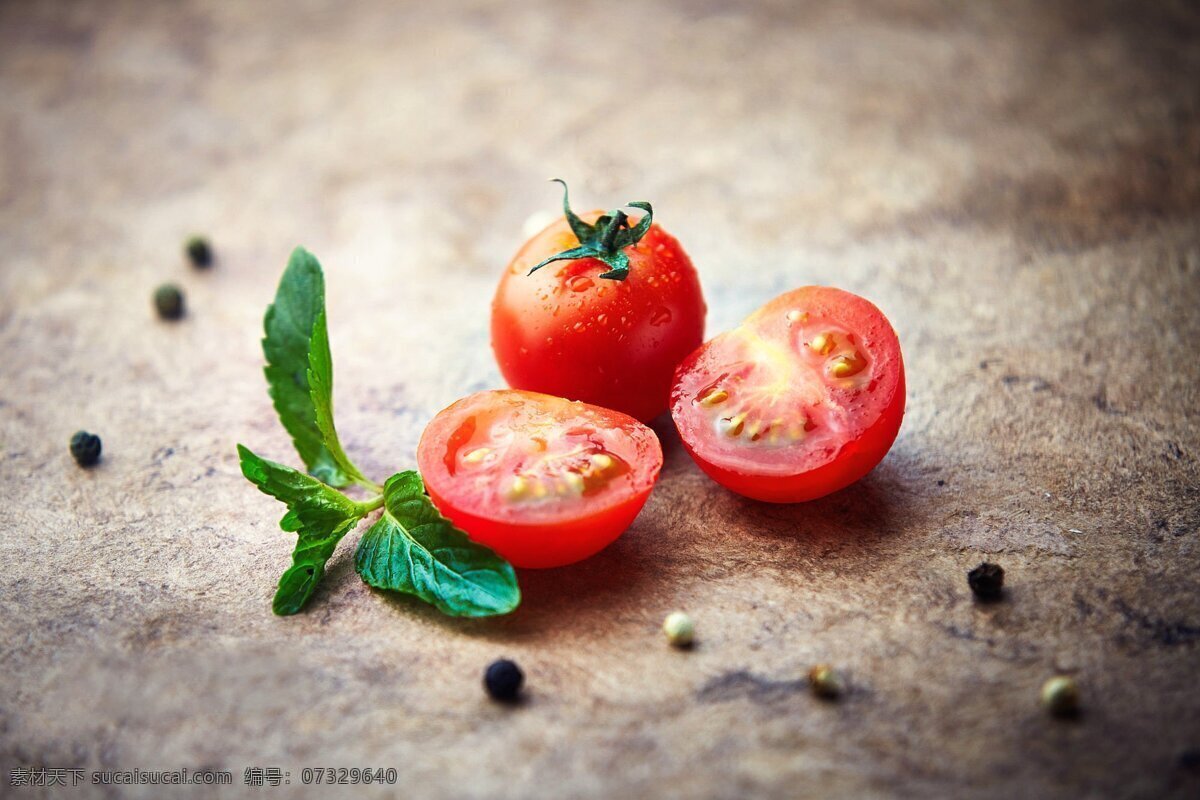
x=611 y=306
x=541 y=480
x=804 y=398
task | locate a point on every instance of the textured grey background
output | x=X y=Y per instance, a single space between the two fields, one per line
x=1017 y=185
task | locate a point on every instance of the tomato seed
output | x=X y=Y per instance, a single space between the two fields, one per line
x=475 y=456
x=822 y=343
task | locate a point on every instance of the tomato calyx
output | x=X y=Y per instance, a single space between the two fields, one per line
x=605 y=240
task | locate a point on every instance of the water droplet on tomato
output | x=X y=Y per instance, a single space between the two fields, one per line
x=601 y=319
x=661 y=316
x=579 y=283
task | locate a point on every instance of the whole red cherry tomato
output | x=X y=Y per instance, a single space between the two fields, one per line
x=803 y=399
x=599 y=309
x=541 y=480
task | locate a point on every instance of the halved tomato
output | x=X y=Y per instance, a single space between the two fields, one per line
x=803 y=399
x=541 y=480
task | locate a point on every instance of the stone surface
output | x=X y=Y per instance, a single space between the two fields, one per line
x=1017 y=185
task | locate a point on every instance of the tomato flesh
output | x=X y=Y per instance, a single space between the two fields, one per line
x=541 y=480
x=804 y=398
x=568 y=332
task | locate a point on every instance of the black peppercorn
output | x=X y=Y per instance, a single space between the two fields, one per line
x=85 y=447
x=503 y=680
x=986 y=581
x=168 y=299
x=199 y=252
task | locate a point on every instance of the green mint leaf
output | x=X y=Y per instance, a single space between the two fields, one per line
x=312 y=506
x=318 y=514
x=289 y=325
x=298 y=583
x=415 y=550
x=320 y=381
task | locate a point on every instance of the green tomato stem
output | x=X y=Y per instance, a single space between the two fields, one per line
x=605 y=240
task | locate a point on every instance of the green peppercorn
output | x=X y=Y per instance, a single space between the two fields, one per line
x=826 y=682
x=679 y=629
x=987 y=581
x=199 y=252
x=503 y=680
x=85 y=448
x=1060 y=696
x=168 y=299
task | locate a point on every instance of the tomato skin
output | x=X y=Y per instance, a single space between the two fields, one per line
x=548 y=534
x=567 y=332
x=857 y=460
x=876 y=408
x=543 y=546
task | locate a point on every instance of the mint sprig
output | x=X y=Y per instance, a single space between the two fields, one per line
x=412 y=548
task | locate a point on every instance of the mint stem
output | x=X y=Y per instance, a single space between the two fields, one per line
x=374 y=503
